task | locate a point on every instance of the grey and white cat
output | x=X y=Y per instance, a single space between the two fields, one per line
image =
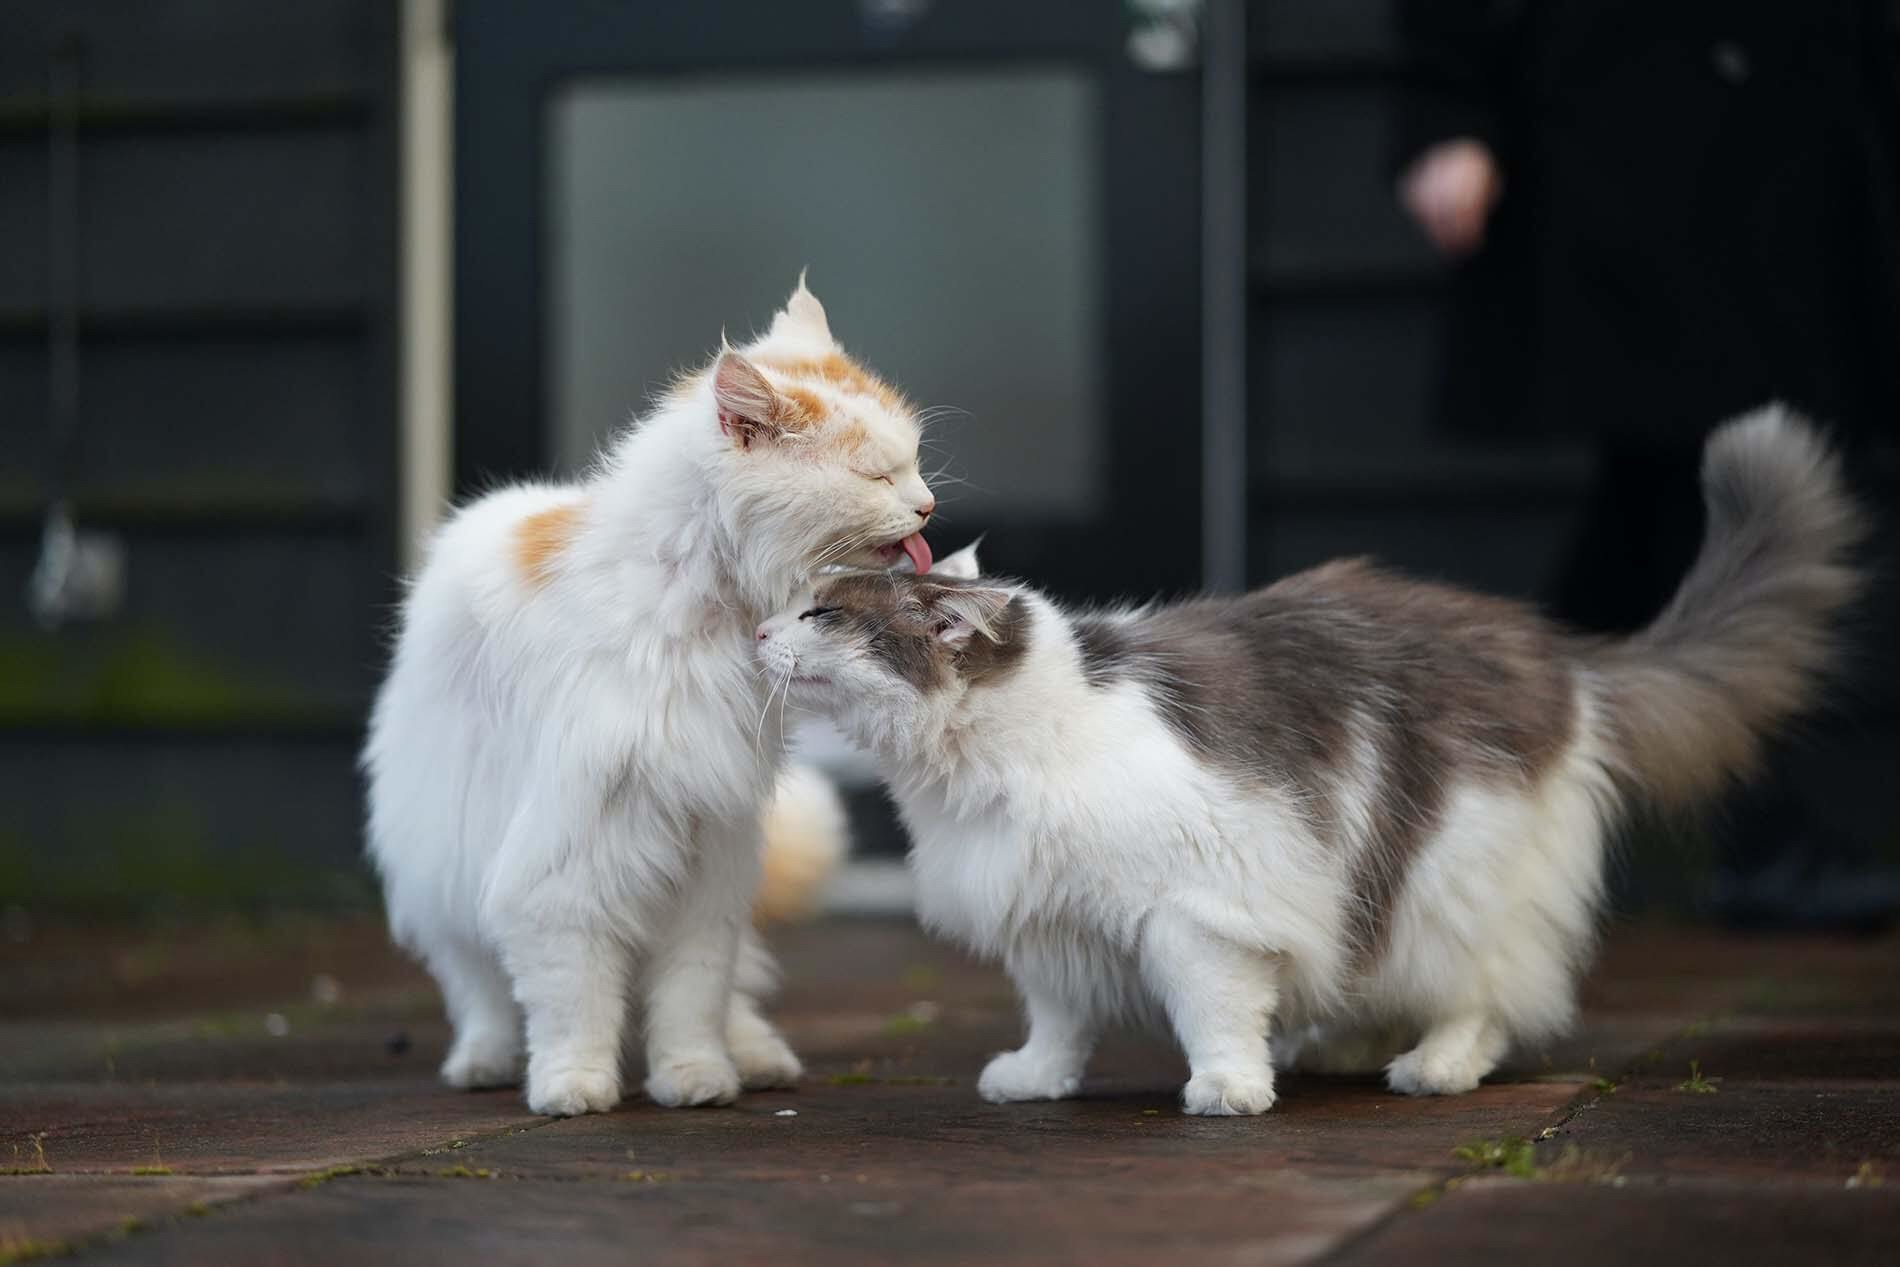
x=1362 y=814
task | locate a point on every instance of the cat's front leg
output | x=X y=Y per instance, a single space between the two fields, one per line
x=565 y=954
x=1049 y=1065
x=571 y=983
x=1220 y=998
x=689 y=978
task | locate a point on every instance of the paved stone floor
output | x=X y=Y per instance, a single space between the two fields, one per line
x=232 y=1094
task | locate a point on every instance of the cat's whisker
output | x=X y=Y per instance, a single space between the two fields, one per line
x=935 y=414
x=942 y=479
x=758 y=732
x=841 y=548
x=783 y=705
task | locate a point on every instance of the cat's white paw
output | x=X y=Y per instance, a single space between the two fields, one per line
x=684 y=1083
x=483 y=1060
x=764 y=1062
x=1022 y=1075
x=1222 y=1094
x=1423 y=1071
x=572 y=1092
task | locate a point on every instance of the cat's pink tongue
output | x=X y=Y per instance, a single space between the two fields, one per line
x=919 y=551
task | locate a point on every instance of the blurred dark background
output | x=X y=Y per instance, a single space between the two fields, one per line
x=199 y=349
x=277 y=277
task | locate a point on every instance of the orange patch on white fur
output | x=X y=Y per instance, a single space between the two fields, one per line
x=540 y=538
x=799 y=407
x=854 y=437
x=806 y=836
x=841 y=372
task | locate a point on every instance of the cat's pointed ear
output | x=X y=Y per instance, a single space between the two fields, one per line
x=961 y=566
x=802 y=313
x=960 y=612
x=747 y=404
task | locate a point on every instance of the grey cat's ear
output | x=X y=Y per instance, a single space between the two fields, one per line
x=962 y=611
x=748 y=407
x=961 y=566
x=802 y=312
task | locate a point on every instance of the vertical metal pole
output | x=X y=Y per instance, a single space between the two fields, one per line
x=1224 y=295
x=427 y=303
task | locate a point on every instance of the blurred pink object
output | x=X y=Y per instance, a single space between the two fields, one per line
x=1450 y=191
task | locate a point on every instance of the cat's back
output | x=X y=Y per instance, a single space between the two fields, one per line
x=1287 y=677
x=462 y=614
x=1352 y=614
x=494 y=554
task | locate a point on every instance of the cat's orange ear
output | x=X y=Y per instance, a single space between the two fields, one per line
x=748 y=407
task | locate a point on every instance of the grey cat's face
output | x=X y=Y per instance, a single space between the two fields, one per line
x=891 y=648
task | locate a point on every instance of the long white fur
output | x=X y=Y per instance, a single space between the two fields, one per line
x=567 y=773
x=1119 y=879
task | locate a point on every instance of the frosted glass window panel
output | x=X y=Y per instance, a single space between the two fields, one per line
x=949 y=220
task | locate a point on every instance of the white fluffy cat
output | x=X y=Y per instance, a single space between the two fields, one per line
x=569 y=759
x=1364 y=814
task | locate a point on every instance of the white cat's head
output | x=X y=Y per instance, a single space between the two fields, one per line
x=816 y=459
x=889 y=655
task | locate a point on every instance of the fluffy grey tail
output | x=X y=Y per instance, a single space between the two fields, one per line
x=1745 y=642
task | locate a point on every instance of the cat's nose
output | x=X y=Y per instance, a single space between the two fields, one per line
x=761 y=633
x=928 y=509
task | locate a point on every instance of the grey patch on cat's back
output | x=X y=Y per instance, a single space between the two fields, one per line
x=1103 y=646
x=1215 y=689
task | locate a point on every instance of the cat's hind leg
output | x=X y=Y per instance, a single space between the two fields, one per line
x=761 y=1055
x=1220 y=998
x=486 y=1051
x=1049 y=1064
x=1453 y=1057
